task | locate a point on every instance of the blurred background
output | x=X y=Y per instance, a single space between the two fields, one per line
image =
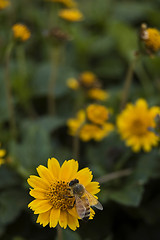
x=36 y=103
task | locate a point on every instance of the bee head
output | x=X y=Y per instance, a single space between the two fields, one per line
x=74 y=181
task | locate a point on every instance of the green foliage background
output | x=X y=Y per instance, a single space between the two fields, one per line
x=105 y=43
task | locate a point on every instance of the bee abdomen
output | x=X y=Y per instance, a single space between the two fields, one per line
x=87 y=214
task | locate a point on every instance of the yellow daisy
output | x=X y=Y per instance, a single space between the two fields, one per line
x=2 y=154
x=98 y=94
x=21 y=32
x=71 y=15
x=88 y=79
x=97 y=114
x=151 y=38
x=95 y=132
x=134 y=123
x=4 y=4
x=53 y=200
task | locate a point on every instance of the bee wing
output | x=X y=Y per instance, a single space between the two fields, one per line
x=81 y=209
x=93 y=201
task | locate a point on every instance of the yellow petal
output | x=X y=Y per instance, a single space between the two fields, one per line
x=92 y=213
x=38 y=193
x=93 y=187
x=63 y=219
x=68 y=170
x=72 y=222
x=73 y=212
x=37 y=182
x=54 y=167
x=32 y=205
x=44 y=218
x=84 y=176
x=42 y=206
x=45 y=174
x=54 y=217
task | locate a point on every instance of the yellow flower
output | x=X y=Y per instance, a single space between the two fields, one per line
x=73 y=83
x=53 y=200
x=98 y=94
x=67 y=3
x=4 y=4
x=74 y=124
x=71 y=15
x=95 y=132
x=88 y=78
x=2 y=154
x=151 y=37
x=21 y=32
x=97 y=113
x=134 y=123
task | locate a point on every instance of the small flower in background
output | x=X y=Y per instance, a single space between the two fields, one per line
x=4 y=4
x=2 y=154
x=91 y=123
x=133 y=125
x=21 y=32
x=71 y=15
x=98 y=94
x=151 y=38
x=97 y=114
x=54 y=202
x=88 y=79
x=67 y=3
x=73 y=83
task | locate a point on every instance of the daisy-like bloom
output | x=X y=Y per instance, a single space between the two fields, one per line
x=53 y=200
x=67 y=3
x=97 y=114
x=71 y=15
x=4 y=4
x=73 y=83
x=134 y=123
x=21 y=32
x=88 y=79
x=95 y=132
x=98 y=94
x=151 y=38
x=74 y=124
x=2 y=154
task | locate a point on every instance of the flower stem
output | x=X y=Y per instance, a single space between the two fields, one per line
x=55 y=59
x=114 y=175
x=59 y=233
x=8 y=88
x=127 y=83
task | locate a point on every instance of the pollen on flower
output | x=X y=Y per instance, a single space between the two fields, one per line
x=60 y=196
x=21 y=32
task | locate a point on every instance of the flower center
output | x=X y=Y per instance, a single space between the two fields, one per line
x=138 y=127
x=60 y=196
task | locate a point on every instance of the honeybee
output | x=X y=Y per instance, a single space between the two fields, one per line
x=83 y=199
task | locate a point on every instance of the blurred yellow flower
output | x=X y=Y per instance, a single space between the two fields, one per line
x=97 y=114
x=74 y=124
x=88 y=79
x=2 y=154
x=71 y=15
x=97 y=94
x=4 y=4
x=53 y=201
x=21 y=32
x=95 y=132
x=133 y=125
x=67 y=3
x=151 y=38
x=73 y=83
